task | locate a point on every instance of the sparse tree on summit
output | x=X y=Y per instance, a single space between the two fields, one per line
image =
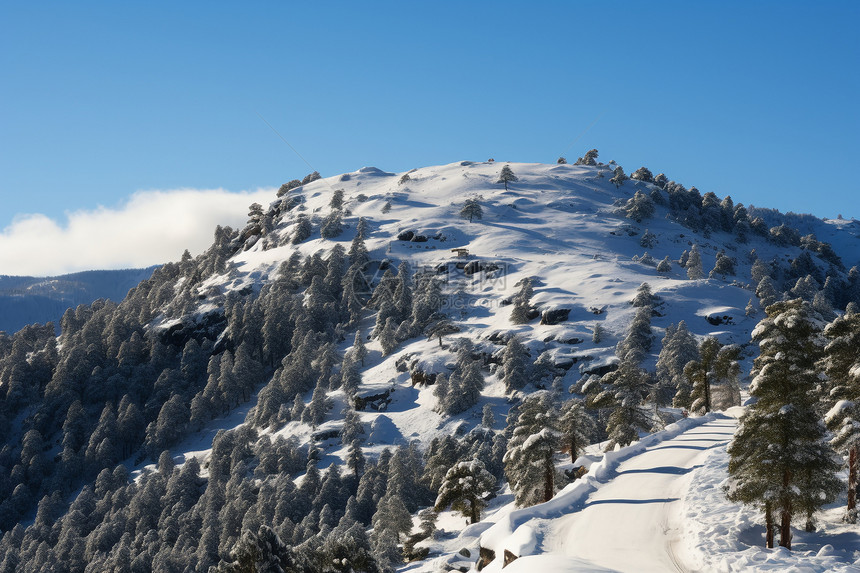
x=507 y=176
x=619 y=178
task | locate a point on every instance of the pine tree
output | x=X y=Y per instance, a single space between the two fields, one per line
x=665 y=265
x=302 y=229
x=488 y=420
x=766 y=292
x=466 y=386
x=639 y=338
x=387 y=338
x=779 y=458
x=644 y=297
x=472 y=210
x=723 y=267
x=441 y=390
x=576 y=426
x=515 y=365
x=841 y=365
x=332 y=225
x=336 y=199
x=619 y=177
x=639 y=207
x=597 y=333
x=648 y=240
x=625 y=389
x=441 y=327
x=679 y=348
x=506 y=176
x=529 y=465
x=717 y=367
x=694 y=264
x=464 y=488
x=522 y=302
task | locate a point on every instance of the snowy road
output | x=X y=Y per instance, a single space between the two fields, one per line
x=633 y=522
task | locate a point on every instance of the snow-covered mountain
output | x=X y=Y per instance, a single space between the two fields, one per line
x=263 y=335
x=31 y=300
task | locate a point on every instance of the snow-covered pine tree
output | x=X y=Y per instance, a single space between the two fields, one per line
x=302 y=229
x=464 y=488
x=643 y=174
x=648 y=240
x=625 y=389
x=514 y=365
x=529 y=465
x=576 y=426
x=507 y=176
x=466 y=386
x=336 y=201
x=694 y=264
x=488 y=420
x=472 y=210
x=644 y=297
x=440 y=390
x=332 y=225
x=639 y=207
x=724 y=266
x=522 y=302
x=440 y=327
x=779 y=459
x=716 y=367
x=619 y=177
x=357 y=253
x=596 y=333
x=842 y=367
x=766 y=291
x=639 y=338
x=387 y=338
x=665 y=265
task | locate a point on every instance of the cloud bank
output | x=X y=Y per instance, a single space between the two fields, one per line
x=151 y=227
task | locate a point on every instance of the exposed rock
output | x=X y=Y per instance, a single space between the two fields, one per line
x=716 y=319
x=473 y=267
x=555 y=316
x=424 y=378
x=208 y=326
x=600 y=370
x=485 y=557
x=323 y=435
x=509 y=557
x=378 y=402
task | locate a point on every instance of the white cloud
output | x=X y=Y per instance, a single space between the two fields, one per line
x=152 y=227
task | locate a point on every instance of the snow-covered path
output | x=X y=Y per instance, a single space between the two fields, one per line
x=633 y=521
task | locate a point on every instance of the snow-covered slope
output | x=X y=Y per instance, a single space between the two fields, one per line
x=559 y=225
x=30 y=300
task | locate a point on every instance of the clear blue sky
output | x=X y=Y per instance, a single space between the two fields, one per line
x=98 y=100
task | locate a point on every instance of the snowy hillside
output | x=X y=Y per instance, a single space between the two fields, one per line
x=319 y=375
x=29 y=300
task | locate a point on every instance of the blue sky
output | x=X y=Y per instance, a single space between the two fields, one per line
x=102 y=100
